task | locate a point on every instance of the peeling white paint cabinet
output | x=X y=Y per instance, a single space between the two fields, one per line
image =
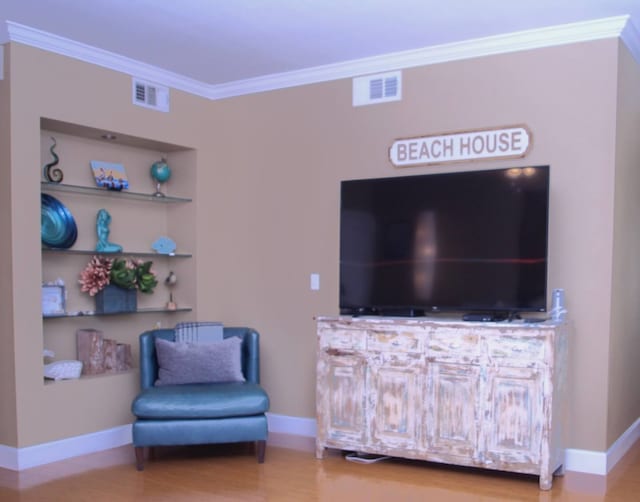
x=476 y=394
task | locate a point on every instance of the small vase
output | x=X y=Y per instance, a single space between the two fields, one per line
x=114 y=299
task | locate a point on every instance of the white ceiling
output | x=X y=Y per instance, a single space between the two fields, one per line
x=221 y=41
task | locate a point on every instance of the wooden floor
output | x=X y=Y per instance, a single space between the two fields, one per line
x=231 y=473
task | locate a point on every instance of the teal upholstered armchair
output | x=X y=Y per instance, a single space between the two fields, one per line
x=171 y=414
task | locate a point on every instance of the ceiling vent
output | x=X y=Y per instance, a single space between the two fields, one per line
x=380 y=88
x=150 y=95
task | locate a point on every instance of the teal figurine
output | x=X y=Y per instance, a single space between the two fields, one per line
x=160 y=172
x=103 y=221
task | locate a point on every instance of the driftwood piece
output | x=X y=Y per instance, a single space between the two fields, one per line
x=110 y=355
x=124 y=359
x=101 y=355
x=89 y=345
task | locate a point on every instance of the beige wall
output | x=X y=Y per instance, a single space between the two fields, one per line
x=624 y=342
x=8 y=430
x=79 y=93
x=267 y=199
x=282 y=155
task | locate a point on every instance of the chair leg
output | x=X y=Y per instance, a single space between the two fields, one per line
x=139 y=457
x=261 y=447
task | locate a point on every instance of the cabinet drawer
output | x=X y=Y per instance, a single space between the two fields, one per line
x=453 y=345
x=526 y=349
x=394 y=340
x=342 y=339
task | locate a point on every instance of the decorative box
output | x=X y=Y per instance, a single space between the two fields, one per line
x=114 y=299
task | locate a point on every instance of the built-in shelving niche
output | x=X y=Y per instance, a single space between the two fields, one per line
x=138 y=218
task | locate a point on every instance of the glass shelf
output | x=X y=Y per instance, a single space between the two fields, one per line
x=90 y=313
x=105 y=192
x=142 y=254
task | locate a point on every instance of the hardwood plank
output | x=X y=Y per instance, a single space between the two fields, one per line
x=230 y=472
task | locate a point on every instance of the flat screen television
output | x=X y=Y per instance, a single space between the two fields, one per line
x=470 y=242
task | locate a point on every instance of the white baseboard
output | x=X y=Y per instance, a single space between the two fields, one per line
x=295 y=426
x=16 y=459
x=595 y=462
x=623 y=444
x=8 y=457
x=586 y=461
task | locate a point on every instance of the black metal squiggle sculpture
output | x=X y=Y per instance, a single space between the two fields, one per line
x=49 y=173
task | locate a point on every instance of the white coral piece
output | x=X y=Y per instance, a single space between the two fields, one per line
x=63 y=370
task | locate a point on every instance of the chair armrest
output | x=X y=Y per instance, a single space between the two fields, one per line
x=148 y=359
x=250 y=351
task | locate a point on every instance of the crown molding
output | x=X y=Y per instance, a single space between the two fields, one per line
x=611 y=27
x=89 y=54
x=500 y=44
x=630 y=36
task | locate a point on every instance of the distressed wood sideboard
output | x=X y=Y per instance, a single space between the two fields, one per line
x=487 y=395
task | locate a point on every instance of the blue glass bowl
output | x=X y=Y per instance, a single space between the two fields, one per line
x=57 y=227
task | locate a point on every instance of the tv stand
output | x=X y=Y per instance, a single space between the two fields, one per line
x=471 y=394
x=395 y=312
x=360 y=312
x=491 y=316
x=482 y=317
x=399 y=312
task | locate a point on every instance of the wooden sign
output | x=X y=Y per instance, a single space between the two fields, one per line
x=507 y=142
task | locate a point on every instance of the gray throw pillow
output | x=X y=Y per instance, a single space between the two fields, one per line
x=213 y=362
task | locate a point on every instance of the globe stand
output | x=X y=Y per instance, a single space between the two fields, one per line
x=160 y=173
x=158 y=193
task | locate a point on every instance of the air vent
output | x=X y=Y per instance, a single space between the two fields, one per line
x=380 y=88
x=150 y=95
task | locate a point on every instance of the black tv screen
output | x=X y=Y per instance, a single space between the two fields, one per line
x=469 y=241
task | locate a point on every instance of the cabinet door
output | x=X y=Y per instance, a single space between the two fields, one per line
x=340 y=398
x=395 y=402
x=514 y=418
x=452 y=413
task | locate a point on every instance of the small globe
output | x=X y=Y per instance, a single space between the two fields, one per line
x=160 y=171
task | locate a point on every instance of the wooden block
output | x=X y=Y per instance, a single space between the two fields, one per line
x=110 y=355
x=124 y=358
x=89 y=346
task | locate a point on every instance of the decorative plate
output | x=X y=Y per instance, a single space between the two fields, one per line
x=57 y=227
